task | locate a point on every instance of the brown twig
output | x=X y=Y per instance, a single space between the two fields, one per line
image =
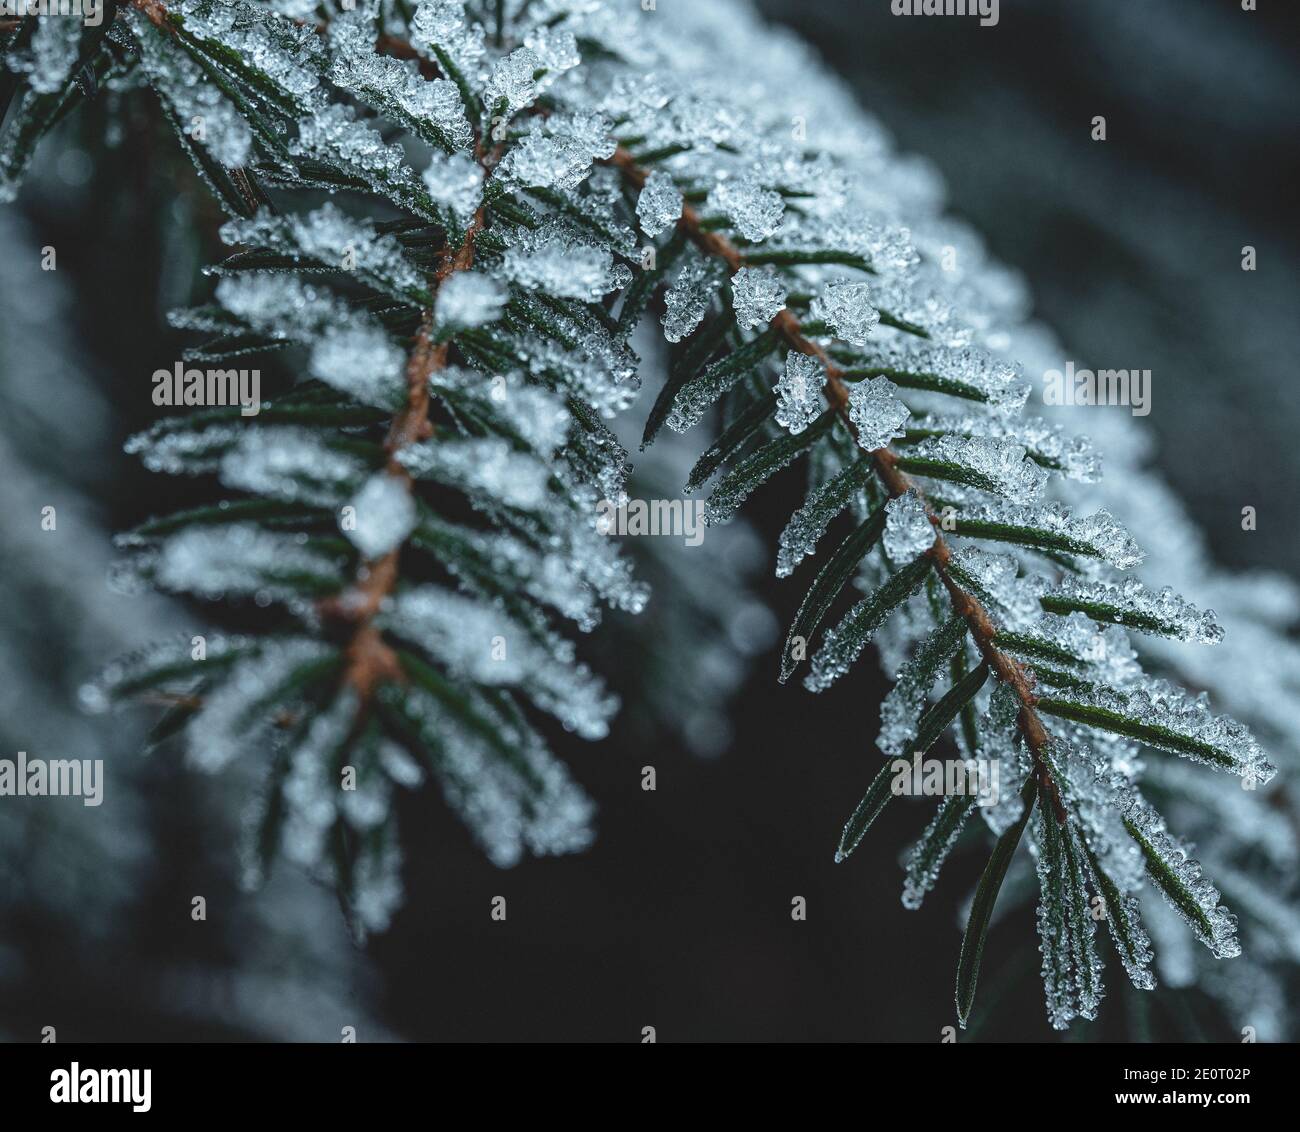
x=370 y=659
x=885 y=464
x=156 y=11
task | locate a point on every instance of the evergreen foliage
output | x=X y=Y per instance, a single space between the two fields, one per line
x=456 y=216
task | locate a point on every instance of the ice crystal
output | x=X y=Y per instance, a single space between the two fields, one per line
x=754 y=211
x=209 y=118
x=876 y=414
x=510 y=85
x=685 y=302
x=184 y=451
x=555 y=263
x=600 y=372
x=290 y=464
x=1130 y=603
x=432 y=107
x=537 y=416
x=377 y=885
x=484 y=645
x=469 y=298
x=799 y=391
x=442 y=24
x=1050 y=447
x=659 y=206
x=908 y=531
x=348 y=350
x=559 y=152
x=1001 y=742
x=902 y=708
x=525 y=802
x=1103 y=650
x=842 y=645
x=926 y=857
x=455 y=181
x=228 y=723
x=966 y=371
x=147 y=664
x=361 y=360
x=555 y=48
x=907 y=300
x=486 y=468
x=846 y=306
x=1072 y=968
x=310 y=792
x=757 y=295
x=289 y=55
x=239 y=560
x=333 y=238
x=1098 y=535
x=383 y=514
x=1212 y=923
x=334 y=136
x=996 y=465
x=545 y=576
x=809 y=523
x=54 y=48
x=995 y=578
x=1175 y=721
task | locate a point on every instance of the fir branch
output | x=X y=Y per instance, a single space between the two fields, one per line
x=896 y=482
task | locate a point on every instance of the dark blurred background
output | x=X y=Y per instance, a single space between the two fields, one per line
x=679 y=917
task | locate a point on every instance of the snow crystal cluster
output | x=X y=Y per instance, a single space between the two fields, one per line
x=469 y=298
x=757 y=296
x=488 y=468
x=292 y=464
x=755 y=211
x=846 y=306
x=876 y=413
x=559 y=153
x=997 y=465
x=908 y=531
x=180 y=81
x=335 y=239
x=381 y=516
x=685 y=302
x=799 y=392
x=221 y=732
x=1093 y=536
x=455 y=182
x=349 y=350
x=1129 y=602
x=659 y=205
x=558 y=264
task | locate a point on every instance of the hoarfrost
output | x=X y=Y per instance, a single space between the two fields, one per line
x=384 y=514
x=755 y=211
x=908 y=531
x=846 y=306
x=876 y=414
x=469 y=298
x=757 y=296
x=659 y=206
x=799 y=391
